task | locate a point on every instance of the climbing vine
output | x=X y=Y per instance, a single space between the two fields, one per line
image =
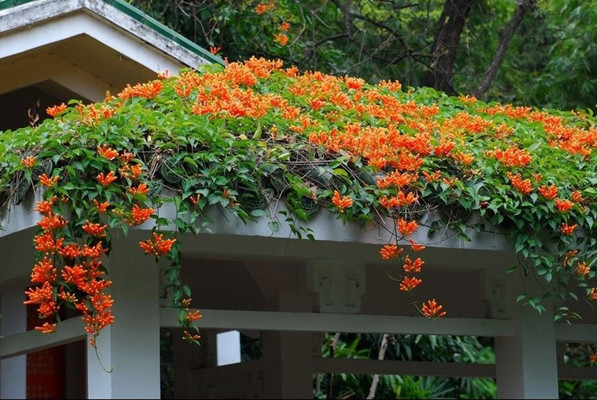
x=249 y=135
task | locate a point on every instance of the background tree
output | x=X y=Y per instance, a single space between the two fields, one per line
x=532 y=52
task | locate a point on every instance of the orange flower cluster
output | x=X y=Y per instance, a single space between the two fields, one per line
x=55 y=110
x=390 y=251
x=341 y=202
x=107 y=179
x=567 y=229
x=28 y=161
x=563 y=205
x=582 y=269
x=147 y=90
x=549 y=192
x=158 y=246
x=511 y=157
x=524 y=186
x=406 y=228
x=400 y=200
x=81 y=284
x=432 y=310
x=262 y=8
x=72 y=272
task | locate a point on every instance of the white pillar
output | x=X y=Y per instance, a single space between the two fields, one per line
x=287 y=355
x=131 y=346
x=526 y=362
x=13 y=371
x=287 y=368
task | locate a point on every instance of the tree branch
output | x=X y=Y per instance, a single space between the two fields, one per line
x=380 y=356
x=521 y=9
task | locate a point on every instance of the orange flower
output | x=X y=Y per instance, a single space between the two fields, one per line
x=148 y=90
x=263 y=8
x=52 y=222
x=284 y=26
x=409 y=283
x=101 y=207
x=577 y=197
x=582 y=269
x=390 y=251
x=93 y=252
x=45 y=243
x=56 y=110
x=46 y=328
x=341 y=202
x=411 y=267
x=432 y=310
x=431 y=178
x=593 y=358
x=71 y=251
x=407 y=228
x=106 y=180
x=563 y=205
x=567 y=229
x=511 y=157
x=415 y=246
x=47 y=181
x=139 y=215
x=43 y=271
x=158 y=246
x=281 y=38
x=190 y=338
x=107 y=152
x=524 y=186
x=549 y=192
x=214 y=50
x=28 y=161
x=45 y=207
x=141 y=189
x=568 y=257
x=192 y=316
x=95 y=229
x=593 y=294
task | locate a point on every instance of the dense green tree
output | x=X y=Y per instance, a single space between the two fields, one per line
x=531 y=52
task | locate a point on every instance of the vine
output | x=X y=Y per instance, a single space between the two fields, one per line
x=248 y=135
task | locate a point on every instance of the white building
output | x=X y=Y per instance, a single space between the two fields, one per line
x=285 y=291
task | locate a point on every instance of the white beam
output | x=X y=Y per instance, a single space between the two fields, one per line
x=68 y=331
x=312 y=322
x=576 y=333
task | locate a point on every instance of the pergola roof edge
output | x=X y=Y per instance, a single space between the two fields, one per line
x=26 y=13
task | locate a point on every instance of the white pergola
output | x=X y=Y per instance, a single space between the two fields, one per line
x=244 y=278
x=289 y=291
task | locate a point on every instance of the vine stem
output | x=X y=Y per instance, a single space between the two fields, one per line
x=94 y=345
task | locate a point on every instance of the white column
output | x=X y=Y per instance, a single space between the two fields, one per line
x=287 y=355
x=526 y=362
x=13 y=371
x=287 y=368
x=131 y=346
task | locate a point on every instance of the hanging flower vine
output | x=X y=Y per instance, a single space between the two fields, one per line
x=250 y=134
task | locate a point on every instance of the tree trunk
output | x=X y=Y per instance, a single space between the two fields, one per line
x=451 y=23
x=380 y=356
x=523 y=6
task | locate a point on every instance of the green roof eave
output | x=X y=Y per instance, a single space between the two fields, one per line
x=146 y=20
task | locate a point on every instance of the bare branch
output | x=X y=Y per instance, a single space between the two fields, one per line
x=522 y=8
